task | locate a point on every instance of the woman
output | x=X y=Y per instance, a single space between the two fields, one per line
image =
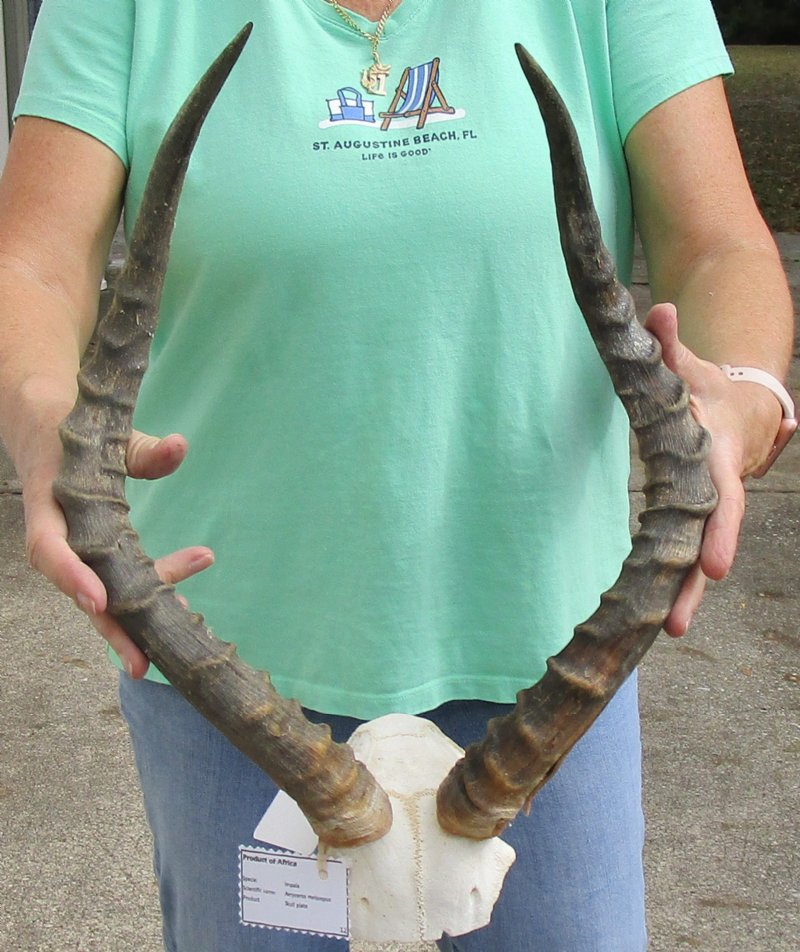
x=406 y=455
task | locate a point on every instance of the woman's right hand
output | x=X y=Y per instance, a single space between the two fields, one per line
x=61 y=193
x=49 y=553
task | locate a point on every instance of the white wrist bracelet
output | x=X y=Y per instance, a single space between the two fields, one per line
x=789 y=422
x=754 y=375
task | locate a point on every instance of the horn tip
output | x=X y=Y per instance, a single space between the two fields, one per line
x=537 y=79
x=237 y=44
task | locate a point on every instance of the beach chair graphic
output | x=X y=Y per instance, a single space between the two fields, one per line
x=417 y=95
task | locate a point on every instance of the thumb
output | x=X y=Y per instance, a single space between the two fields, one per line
x=149 y=457
x=662 y=322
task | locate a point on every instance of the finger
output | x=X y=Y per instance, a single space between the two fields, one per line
x=171 y=568
x=133 y=660
x=149 y=457
x=49 y=553
x=177 y=566
x=689 y=598
x=721 y=535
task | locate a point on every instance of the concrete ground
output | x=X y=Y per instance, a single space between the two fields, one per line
x=721 y=713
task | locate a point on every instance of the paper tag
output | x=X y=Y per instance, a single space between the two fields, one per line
x=280 y=891
x=284 y=825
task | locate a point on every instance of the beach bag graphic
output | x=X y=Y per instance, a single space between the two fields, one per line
x=349 y=104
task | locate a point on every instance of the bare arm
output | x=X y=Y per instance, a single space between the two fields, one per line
x=60 y=199
x=706 y=243
x=710 y=254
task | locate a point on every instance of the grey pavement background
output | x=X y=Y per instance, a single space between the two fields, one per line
x=721 y=713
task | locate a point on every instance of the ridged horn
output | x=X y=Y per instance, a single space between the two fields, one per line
x=499 y=776
x=339 y=796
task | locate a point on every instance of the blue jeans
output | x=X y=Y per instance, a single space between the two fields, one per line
x=576 y=886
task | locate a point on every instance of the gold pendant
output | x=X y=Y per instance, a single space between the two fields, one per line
x=373 y=78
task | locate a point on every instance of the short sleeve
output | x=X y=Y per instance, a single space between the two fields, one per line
x=78 y=68
x=657 y=49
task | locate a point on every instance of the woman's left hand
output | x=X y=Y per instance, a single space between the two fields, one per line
x=742 y=419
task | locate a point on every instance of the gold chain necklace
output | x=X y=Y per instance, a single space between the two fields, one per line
x=373 y=78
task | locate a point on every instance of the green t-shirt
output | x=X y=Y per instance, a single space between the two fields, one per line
x=404 y=448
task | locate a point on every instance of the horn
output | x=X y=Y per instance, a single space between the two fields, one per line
x=500 y=775
x=339 y=796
